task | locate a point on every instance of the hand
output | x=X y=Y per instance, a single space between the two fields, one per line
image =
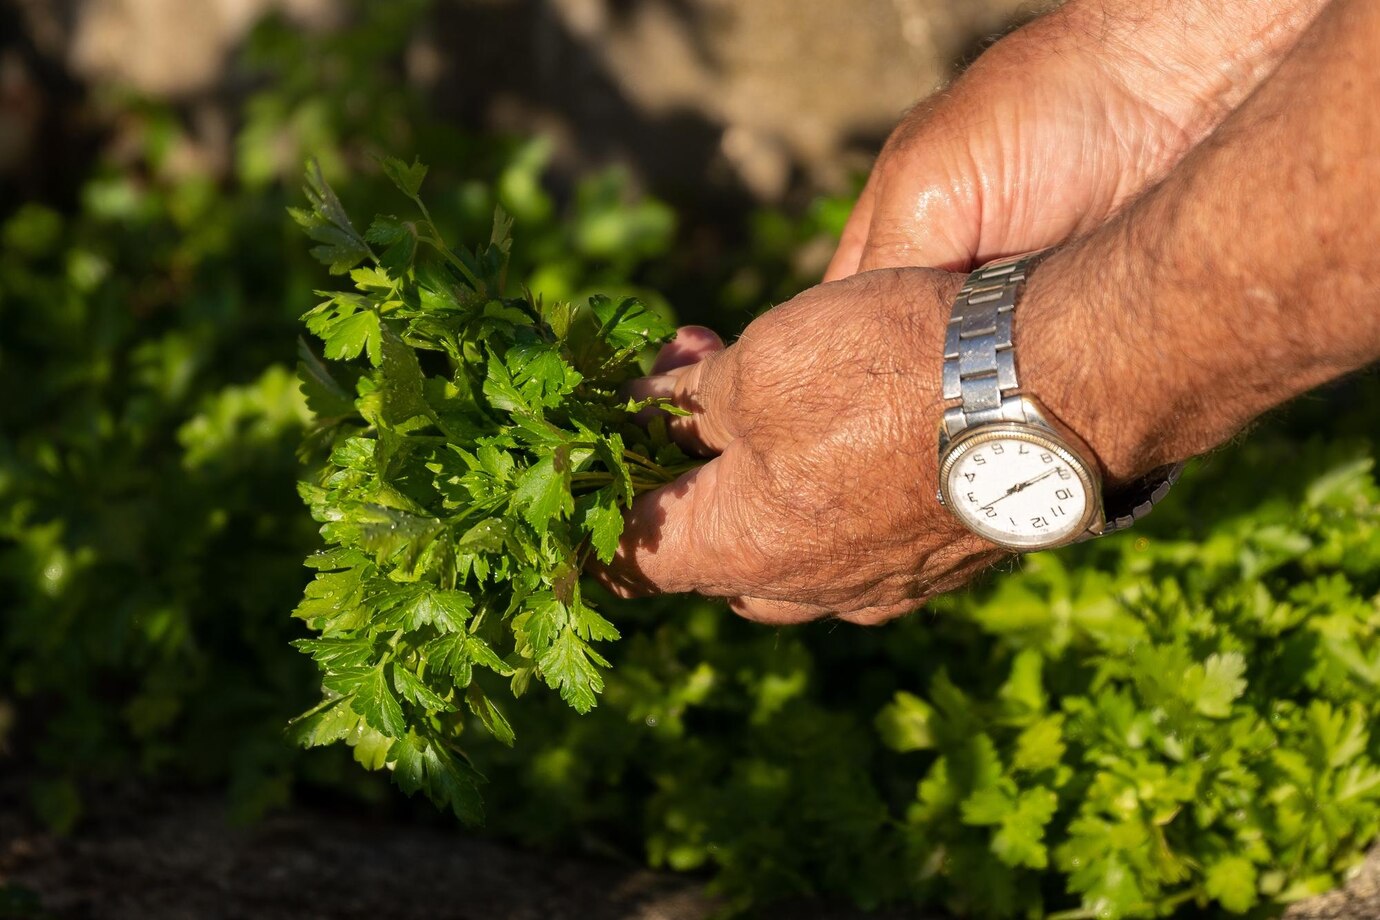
x=821 y=499
x=824 y=415
x=1057 y=126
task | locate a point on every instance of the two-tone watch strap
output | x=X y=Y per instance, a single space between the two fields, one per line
x=980 y=372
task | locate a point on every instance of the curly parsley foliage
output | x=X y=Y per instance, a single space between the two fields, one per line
x=479 y=452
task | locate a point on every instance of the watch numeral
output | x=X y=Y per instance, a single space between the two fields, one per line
x=991 y=512
x=998 y=449
x=1063 y=494
x=979 y=460
x=1038 y=522
x=1046 y=457
x=1024 y=449
x=970 y=476
x=972 y=498
x=1058 y=511
x=1063 y=473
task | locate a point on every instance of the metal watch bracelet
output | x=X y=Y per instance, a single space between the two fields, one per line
x=980 y=371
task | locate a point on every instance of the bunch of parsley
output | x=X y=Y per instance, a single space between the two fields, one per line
x=479 y=451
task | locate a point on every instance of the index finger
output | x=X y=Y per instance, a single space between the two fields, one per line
x=691 y=345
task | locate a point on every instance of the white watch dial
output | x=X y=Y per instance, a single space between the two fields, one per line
x=1017 y=490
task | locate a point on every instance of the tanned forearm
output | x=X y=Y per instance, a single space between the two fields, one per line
x=1250 y=275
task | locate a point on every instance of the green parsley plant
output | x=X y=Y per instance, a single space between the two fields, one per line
x=479 y=452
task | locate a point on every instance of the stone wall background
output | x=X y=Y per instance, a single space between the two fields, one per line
x=737 y=99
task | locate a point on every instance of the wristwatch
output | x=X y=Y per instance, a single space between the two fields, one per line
x=1008 y=469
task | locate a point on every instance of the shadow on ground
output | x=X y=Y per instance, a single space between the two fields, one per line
x=176 y=857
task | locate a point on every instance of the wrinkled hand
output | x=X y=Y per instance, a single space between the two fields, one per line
x=1056 y=127
x=822 y=421
x=822 y=418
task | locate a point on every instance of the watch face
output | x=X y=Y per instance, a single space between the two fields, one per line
x=1018 y=487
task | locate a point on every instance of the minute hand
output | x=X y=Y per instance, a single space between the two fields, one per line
x=1020 y=486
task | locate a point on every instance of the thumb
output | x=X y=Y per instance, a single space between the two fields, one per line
x=692 y=535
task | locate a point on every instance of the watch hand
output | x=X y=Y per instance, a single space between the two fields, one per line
x=1045 y=475
x=1019 y=486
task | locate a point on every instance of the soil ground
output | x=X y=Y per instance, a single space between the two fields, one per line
x=176 y=857
x=164 y=856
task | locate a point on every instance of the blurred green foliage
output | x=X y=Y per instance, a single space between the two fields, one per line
x=150 y=534
x=1175 y=717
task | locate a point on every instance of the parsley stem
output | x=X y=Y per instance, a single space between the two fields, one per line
x=639 y=485
x=421 y=206
x=634 y=457
x=324 y=704
x=453 y=259
x=663 y=473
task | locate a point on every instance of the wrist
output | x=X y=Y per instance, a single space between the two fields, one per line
x=1084 y=355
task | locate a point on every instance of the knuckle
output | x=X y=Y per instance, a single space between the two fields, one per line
x=907 y=134
x=891 y=244
x=721 y=381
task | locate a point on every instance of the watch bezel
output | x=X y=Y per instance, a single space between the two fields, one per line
x=1047 y=439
